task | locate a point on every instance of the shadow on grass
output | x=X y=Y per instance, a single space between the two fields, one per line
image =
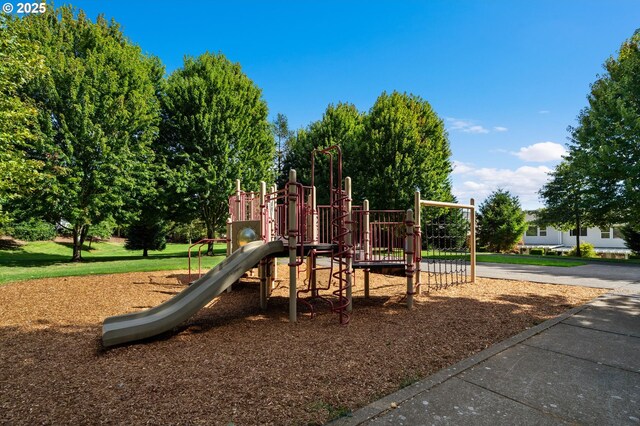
x=30 y=260
x=10 y=244
x=85 y=247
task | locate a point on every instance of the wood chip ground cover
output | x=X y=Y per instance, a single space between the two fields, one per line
x=232 y=363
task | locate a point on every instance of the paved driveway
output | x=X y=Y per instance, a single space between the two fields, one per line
x=625 y=278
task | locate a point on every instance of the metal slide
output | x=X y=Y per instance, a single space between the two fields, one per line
x=139 y=325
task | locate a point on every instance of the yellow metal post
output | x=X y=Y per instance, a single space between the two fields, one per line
x=472 y=239
x=293 y=243
x=410 y=259
x=349 y=243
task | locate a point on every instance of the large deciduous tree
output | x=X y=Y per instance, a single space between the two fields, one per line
x=215 y=130
x=405 y=148
x=341 y=125
x=398 y=147
x=607 y=139
x=98 y=114
x=566 y=205
x=20 y=63
x=501 y=221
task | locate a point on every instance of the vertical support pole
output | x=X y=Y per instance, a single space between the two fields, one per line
x=349 y=243
x=272 y=221
x=264 y=216
x=293 y=245
x=229 y=237
x=313 y=275
x=315 y=223
x=418 y=240
x=410 y=258
x=472 y=240
x=262 y=272
x=239 y=215
x=366 y=244
x=262 y=269
x=269 y=280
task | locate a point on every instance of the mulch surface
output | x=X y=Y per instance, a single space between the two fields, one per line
x=232 y=363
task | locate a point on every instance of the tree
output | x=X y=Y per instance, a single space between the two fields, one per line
x=20 y=63
x=148 y=232
x=631 y=237
x=607 y=139
x=98 y=113
x=398 y=147
x=501 y=221
x=341 y=125
x=405 y=149
x=566 y=205
x=280 y=129
x=215 y=130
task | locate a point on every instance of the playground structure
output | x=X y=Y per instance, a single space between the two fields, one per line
x=338 y=237
x=350 y=237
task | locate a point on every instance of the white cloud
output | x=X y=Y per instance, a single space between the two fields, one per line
x=479 y=183
x=500 y=129
x=466 y=126
x=544 y=111
x=460 y=168
x=541 y=152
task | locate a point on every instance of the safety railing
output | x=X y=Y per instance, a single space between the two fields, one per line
x=244 y=206
x=379 y=236
x=200 y=244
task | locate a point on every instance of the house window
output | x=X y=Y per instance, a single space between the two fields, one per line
x=583 y=232
x=616 y=232
x=532 y=231
x=542 y=232
x=605 y=233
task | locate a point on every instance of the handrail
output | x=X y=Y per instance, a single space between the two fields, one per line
x=201 y=242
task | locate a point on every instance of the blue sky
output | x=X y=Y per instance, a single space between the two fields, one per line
x=507 y=77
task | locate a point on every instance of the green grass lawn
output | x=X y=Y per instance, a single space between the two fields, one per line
x=51 y=259
x=509 y=258
x=529 y=260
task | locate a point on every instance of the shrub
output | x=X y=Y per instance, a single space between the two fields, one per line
x=501 y=221
x=188 y=232
x=34 y=230
x=536 y=252
x=631 y=237
x=103 y=230
x=586 y=250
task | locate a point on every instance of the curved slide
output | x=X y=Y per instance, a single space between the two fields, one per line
x=139 y=325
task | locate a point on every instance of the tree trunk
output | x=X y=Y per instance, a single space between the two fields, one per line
x=210 y=234
x=578 y=237
x=79 y=235
x=77 y=246
x=145 y=252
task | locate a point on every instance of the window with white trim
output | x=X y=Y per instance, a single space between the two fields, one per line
x=617 y=233
x=605 y=233
x=583 y=232
x=542 y=232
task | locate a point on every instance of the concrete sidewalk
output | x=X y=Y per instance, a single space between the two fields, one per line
x=582 y=367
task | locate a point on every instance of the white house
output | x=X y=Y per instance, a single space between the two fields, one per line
x=603 y=240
